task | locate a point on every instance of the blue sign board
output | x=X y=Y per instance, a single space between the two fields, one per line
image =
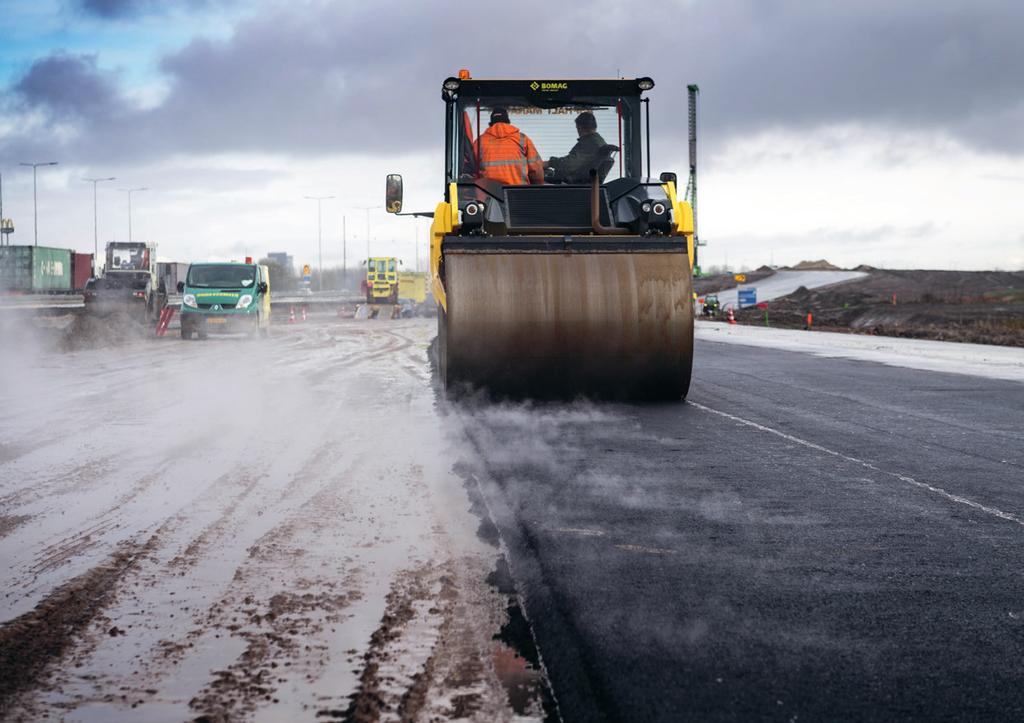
x=747 y=297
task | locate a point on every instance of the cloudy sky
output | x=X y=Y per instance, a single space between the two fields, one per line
x=880 y=132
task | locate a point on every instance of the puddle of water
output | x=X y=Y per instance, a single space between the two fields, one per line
x=515 y=657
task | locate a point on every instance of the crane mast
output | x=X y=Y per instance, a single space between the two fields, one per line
x=691 y=183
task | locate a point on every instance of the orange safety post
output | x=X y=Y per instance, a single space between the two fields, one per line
x=166 y=314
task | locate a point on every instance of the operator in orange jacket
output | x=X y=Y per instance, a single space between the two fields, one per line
x=507 y=155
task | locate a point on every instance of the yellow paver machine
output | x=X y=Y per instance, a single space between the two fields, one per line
x=577 y=279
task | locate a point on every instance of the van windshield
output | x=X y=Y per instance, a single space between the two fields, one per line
x=228 y=276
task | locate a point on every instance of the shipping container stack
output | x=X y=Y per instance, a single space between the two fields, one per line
x=81 y=270
x=34 y=269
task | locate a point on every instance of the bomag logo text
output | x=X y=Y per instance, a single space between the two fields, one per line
x=548 y=87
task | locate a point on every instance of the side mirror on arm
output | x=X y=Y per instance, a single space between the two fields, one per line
x=393 y=193
x=262 y=288
x=669 y=177
x=181 y=286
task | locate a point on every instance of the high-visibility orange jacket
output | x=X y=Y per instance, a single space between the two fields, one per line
x=507 y=155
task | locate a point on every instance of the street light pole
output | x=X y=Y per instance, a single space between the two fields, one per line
x=367 y=209
x=130 y=191
x=344 y=255
x=95 y=224
x=319 y=235
x=35 y=205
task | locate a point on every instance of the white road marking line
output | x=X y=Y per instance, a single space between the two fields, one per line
x=995 y=512
x=648 y=550
x=579 y=531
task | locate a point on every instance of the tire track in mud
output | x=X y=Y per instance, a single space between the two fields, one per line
x=9 y=523
x=296 y=554
x=57 y=553
x=385 y=343
x=288 y=615
x=92 y=532
x=34 y=640
x=440 y=653
x=66 y=478
x=287 y=639
x=254 y=599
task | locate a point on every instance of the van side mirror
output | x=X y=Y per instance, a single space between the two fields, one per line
x=262 y=287
x=393 y=193
x=181 y=287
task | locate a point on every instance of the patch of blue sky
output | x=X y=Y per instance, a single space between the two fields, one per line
x=130 y=46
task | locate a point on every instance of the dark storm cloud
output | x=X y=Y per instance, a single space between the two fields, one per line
x=112 y=8
x=69 y=86
x=341 y=77
x=119 y=9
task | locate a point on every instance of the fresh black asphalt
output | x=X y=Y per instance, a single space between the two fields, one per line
x=805 y=539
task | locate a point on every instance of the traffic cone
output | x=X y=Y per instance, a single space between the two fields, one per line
x=291 y=314
x=732 y=318
x=303 y=313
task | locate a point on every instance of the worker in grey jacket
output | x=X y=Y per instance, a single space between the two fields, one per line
x=575 y=167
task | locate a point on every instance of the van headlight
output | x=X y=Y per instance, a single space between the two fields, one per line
x=244 y=301
x=189 y=300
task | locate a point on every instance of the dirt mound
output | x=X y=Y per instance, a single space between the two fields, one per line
x=982 y=307
x=819 y=265
x=92 y=332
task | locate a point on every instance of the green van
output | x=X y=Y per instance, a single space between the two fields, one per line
x=225 y=297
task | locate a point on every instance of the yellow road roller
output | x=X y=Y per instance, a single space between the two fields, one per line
x=560 y=266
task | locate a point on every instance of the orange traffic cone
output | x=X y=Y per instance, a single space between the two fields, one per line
x=291 y=315
x=732 y=318
x=303 y=313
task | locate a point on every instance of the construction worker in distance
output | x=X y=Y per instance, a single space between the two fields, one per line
x=507 y=155
x=575 y=167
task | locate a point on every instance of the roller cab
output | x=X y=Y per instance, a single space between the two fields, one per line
x=564 y=270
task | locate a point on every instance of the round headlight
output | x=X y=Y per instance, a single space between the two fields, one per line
x=659 y=209
x=472 y=209
x=646 y=207
x=451 y=84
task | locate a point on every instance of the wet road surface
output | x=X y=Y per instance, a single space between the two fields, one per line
x=805 y=539
x=298 y=528
x=243 y=529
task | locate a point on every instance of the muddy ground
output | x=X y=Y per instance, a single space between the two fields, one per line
x=267 y=529
x=981 y=307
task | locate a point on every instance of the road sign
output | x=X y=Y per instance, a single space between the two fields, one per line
x=306 y=273
x=747 y=297
x=740 y=278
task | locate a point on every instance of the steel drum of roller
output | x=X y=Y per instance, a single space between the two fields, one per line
x=562 y=325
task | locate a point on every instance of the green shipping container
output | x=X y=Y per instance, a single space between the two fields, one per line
x=34 y=269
